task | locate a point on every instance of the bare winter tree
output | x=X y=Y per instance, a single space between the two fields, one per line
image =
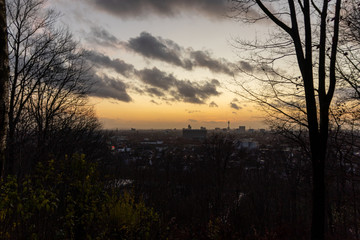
x=4 y=82
x=48 y=84
x=61 y=93
x=298 y=67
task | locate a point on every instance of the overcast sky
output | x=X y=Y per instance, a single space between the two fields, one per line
x=161 y=64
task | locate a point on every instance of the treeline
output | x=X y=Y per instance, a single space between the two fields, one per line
x=218 y=191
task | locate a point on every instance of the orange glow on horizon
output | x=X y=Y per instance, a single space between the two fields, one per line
x=147 y=115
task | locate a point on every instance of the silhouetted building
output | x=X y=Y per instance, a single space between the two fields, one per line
x=195 y=134
x=242 y=129
x=246 y=144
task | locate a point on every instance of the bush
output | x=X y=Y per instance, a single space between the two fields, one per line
x=67 y=200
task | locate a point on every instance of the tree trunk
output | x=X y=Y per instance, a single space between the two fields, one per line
x=10 y=167
x=4 y=83
x=318 y=198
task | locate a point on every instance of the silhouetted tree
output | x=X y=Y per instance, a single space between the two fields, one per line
x=308 y=37
x=48 y=80
x=4 y=82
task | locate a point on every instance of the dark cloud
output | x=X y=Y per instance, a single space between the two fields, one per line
x=235 y=106
x=156 y=48
x=245 y=66
x=188 y=92
x=235 y=100
x=102 y=60
x=213 y=104
x=154 y=92
x=143 y=8
x=204 y=59
x=157 y=78
x=158 y=83
x=153 y=101
x=106 y=87
x=102 y=37
x=195 y=93
x=180 y=90
x=170 y=52
x=192 y=111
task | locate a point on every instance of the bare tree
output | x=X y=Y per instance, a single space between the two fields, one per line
x=308 y=38
x=48 y=80
x=4 y=82
x=61 y=93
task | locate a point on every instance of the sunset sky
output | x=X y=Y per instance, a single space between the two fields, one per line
x=162 y=64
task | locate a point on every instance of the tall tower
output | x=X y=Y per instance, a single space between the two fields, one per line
x=228 y=125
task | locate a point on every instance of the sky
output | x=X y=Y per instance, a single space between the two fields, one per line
x=160 y=64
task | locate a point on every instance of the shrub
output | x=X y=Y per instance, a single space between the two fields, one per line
x=67 y=200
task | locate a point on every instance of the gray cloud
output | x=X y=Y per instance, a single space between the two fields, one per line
x=245 y=66
x=170 y=52
x=154 y=92
x=204 y=59
x=196 y=93
x=102 y=37
x=157 y=78
x=153 y=101
x=101 y=60
x=106 y=87
x=235 y=106
x=158 y=83
x=213 y=104
x=181 y=90
x=157 y=48
x=144 y=8
x=248 y=67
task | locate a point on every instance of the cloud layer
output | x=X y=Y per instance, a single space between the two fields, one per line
x=144 y=8
x=156 y=48
x=106 y=87
x=153 y=81
x=168 y=51
x=160 y=83
x=118 y=65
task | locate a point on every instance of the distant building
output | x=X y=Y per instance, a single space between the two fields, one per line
x=262 y=130
x=242 y=129
x=246 y=144
x=251 y=130
x=195 y=134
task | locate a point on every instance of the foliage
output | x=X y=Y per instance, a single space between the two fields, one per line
x=67 y=200
x=128 y=219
